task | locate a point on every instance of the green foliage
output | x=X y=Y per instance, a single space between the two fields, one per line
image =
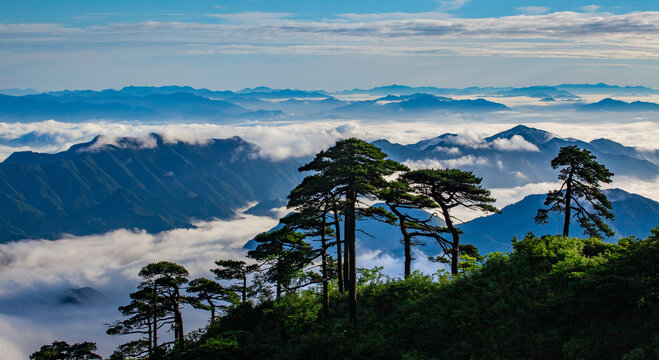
x=371 y=276
x=581 y=176
x=60 y=350
x=286 y=255
x=236 y=270
x=552 y=298
x=210 y=295
x=157 y=302
x=449 y=189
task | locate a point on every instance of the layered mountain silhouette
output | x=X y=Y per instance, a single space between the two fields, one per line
x=609 y=104
x=634 y=215
x=184 y=103
x=413 y=105
x=517 y=156
x=147 y=183
x=153 y=184
x=538 y=92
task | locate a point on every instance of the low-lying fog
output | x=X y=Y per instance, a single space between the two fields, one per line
x=36 y=274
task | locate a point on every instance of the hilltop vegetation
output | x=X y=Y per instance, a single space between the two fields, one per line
x=552 y=298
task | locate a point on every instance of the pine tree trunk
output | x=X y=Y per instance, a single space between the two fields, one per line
x=346 y=258
x=455 y=245
x=324 y=268
x=407 y=242
x=339 y=260
x=155 y=318
x=455 y=252
x=408 y=255
x=178 y=321
x=244 y=287
x=350 y=245
x=212 y=306
x=150 y=337
x=568 y=197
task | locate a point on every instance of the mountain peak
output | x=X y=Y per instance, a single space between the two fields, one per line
x=532 y=135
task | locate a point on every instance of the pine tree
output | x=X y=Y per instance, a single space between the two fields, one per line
x=285 y=256
x=581 y=176
x=399 y=199
x=313 y=201
x=450 y=188
x=354 y=169
x=169 y=277
x=145 y=315
x=235 y=270
x=210 y=295
x=60 y=350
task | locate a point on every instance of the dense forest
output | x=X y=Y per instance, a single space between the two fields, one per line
x=301 y=293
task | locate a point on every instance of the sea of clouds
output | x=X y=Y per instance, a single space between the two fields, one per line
x=35 y=273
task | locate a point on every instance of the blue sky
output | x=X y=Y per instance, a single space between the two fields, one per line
x=341 y=44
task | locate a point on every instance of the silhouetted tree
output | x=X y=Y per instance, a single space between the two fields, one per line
x=235 y=270
x=450 y=188
x=581 y=176
x=169 y=277
x=210 y=295
x=285 y=255
x=156 y=303
x=145 y=315
x=313 y=201
x=60 y=350
x=400 y=200
x=355 y=169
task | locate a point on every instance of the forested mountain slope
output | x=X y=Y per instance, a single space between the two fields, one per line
x=143 y=183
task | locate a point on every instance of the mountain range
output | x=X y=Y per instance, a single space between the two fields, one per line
x=146 y=183
x=184 y=103
x=155 y=184
x=517 y=156
x=634 y=216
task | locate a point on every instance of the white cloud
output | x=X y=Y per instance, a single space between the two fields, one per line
x=19 y=336
x=394 y=266
x=251 y=17
x=519 y=175
x=280 y=140
x=533 y=10
x=446 y=164
x=141 y=142
x=515 y=143
x=393 y=16
x=648 y=189
x=98 y=259
x=34 y=273
x=448 y=5
x=507 y=196
x=626 y=36
x=448 y=150
x=590 y=8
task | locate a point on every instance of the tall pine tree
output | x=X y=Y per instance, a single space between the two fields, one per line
x=449 y=189
x=354 y=169
x=581 y=176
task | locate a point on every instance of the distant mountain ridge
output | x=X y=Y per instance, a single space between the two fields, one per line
x=609 y=104
x=144 y=183
x=183 y=103
x=516 y=156
x=634 y=215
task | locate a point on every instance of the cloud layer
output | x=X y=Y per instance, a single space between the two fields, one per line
x=303 y=138
x=561 y=34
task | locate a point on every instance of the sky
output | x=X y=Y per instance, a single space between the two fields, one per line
x=332 y=45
